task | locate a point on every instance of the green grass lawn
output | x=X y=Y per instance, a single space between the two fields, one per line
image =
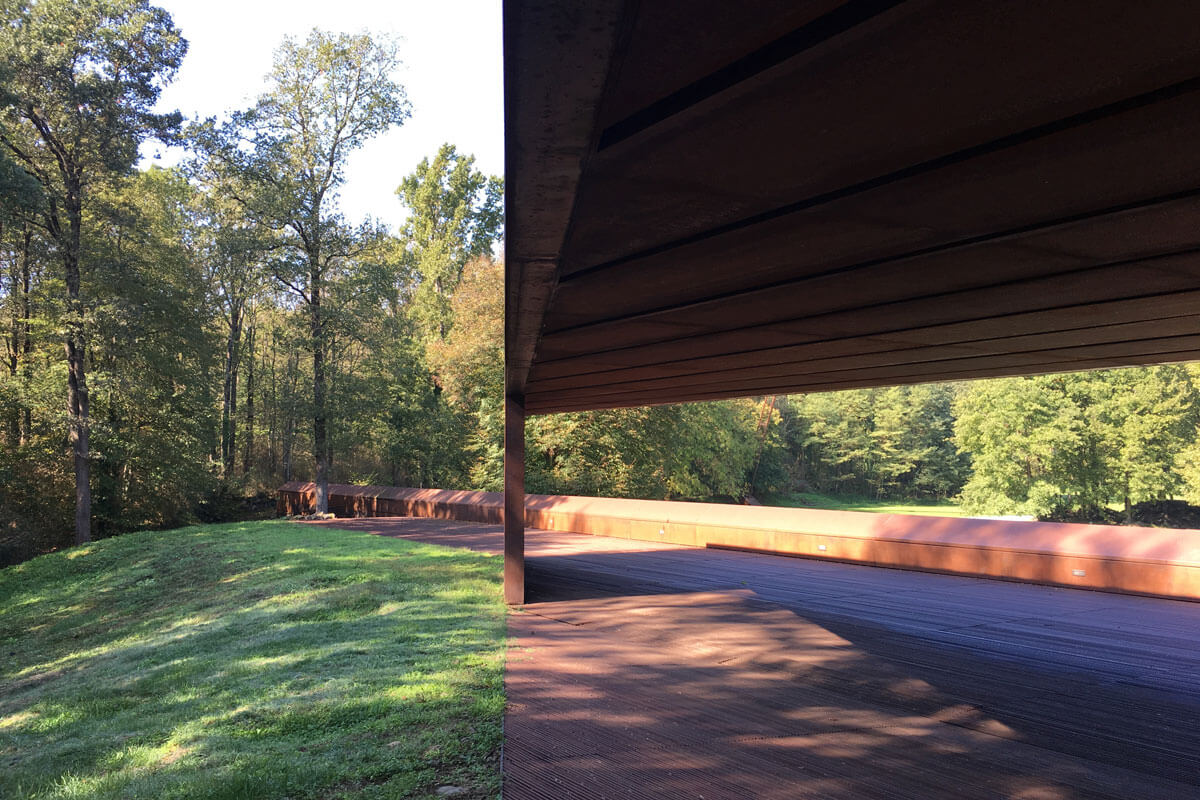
x=253 y=660
x=814 y=500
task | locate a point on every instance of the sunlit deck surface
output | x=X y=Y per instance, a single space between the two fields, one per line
x=640 y=670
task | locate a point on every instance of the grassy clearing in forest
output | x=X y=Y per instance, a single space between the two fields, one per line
x=944 y=508
x=252 y=660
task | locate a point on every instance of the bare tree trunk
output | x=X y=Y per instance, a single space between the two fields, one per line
x=289 y=428
x=233 y=344
x=273 y=412
x=248 y=457
x=289 y=424
x=320 y=427
x=77 y=408
x=27 y=340
x=76 y=348
x=1128 y=503
x=12 y=347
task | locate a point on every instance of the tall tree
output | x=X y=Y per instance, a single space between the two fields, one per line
x=153 y=358
x=893 y=442
x=85 y=75
x=1060 y=443
x=16 y=252
x=456 y=213
x=469 y=361
x=328 y=95
x=232 y=250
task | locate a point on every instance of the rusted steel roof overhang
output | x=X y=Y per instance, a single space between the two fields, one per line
x=710 y=199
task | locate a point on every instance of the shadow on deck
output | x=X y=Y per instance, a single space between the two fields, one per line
x=646 y=670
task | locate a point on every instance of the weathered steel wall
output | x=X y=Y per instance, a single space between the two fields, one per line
x=1153 y=561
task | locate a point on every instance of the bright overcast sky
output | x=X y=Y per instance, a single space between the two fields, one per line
x=451 y=51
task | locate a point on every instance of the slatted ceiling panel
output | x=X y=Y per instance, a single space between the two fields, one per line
x=943 y=366
x=756 y=380
x=777 y=250
x=706 y=35
x=889 y=304
x=936 y=315
x=552 y=403
x=882 y=369
x=930 y=191
x=1172 y=316
x=1136 y=230
x=935 y=79
x=594 y=302
x=869 y=353
x=886 y=368
x=1061 y=177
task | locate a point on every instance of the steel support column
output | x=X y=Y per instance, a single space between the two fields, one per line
x=514 y=499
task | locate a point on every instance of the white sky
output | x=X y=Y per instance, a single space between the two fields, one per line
x=451 y=51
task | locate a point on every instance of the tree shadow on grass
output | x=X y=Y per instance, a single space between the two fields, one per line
x=288 y=668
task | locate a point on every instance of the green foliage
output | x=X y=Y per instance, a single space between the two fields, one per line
x=455 y=214
x=149 y=364
x=699 y=450
x=469 y=361
x=153 y=408
x=285 y=159
x=893 y=442
x=20 y=192
x=35 y=478
x=425 y=438
x=265 y=660
x=1081 y=440
x=83 y=79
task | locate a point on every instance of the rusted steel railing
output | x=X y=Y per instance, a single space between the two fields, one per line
x=1152 y=561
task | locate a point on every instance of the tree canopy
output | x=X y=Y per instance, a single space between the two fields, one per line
x=455 y=214
x=284 y=160
x=1080 y=440
x=78 y=98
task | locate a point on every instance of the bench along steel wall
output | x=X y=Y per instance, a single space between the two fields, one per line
x=1153 y=561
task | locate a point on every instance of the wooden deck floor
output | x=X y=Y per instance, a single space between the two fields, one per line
x=646 y=671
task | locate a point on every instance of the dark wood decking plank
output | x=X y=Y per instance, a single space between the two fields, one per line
x=644 y=670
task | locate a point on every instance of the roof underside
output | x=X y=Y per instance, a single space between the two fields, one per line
x=712 y=199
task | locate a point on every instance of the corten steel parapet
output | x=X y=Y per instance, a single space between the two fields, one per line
x=1151 y=561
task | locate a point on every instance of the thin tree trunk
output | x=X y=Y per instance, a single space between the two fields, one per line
x=289 y=427
x=320 y=429
x=248 y=458
x=273 y=412
x=27 y=340
x=233 y=345
x=13 y=351
x=289 y=424
x=76 y=349
x=1128 y=503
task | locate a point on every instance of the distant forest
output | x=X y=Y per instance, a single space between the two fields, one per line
x=176 y=339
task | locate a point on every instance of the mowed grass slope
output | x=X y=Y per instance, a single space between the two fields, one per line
x=255 y=660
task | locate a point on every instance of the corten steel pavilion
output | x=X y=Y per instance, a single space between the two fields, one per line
x=711 y=199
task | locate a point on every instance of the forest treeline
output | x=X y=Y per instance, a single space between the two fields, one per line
x=174 y=339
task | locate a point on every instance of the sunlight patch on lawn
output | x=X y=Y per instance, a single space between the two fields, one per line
x=263 y=660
